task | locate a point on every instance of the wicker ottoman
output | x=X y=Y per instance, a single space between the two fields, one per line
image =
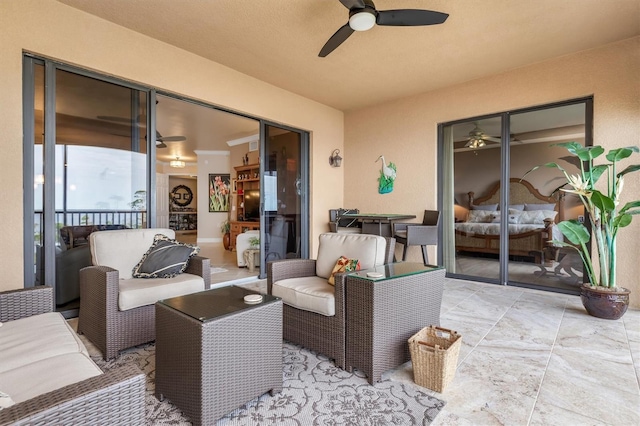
x=214 y=352
x=383 y=313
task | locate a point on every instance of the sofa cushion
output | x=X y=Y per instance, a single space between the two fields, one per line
x=136 y=292
x=368 y=249
x=31 y=380
x=166 y=258
x=123 y=249
x=313 y=294
x=35 y=338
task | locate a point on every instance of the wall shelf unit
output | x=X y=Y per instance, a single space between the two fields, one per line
x=247 y=178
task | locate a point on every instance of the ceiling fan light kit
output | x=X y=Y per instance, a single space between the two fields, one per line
x=362 y=20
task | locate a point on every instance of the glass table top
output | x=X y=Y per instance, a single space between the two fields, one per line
x=394 y=270
x=212 y=304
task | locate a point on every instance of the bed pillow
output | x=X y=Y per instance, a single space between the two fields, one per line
x=166 y=258
x=478 y=216
x=513 y=217
x=343 y=264
x=533 y=207
x=536 y=216
x=487 y=207
x=519 y=207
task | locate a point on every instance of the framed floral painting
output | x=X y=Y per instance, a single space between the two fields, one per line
x=219 y=191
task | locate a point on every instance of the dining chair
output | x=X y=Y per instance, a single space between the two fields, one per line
x=415 y=234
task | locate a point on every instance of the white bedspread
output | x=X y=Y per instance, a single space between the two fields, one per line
x=494 y=229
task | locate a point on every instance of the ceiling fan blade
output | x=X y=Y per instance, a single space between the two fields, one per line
x=336 y=40
x=410 y=17
x=141 y=120
x=172 y=138
x=160 y=144
x=353 y=4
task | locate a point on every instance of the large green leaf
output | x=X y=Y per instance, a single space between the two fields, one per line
x=572 y=146
x=597 y=171
x=631 y=205
x=622 y=220
x=618 y=154
x=630 y=169
x=575 y=231
x=602 y=202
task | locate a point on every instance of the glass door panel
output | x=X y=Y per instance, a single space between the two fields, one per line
x=98 y=167
x=477 y=163
x=282 y=191
x=536 y=202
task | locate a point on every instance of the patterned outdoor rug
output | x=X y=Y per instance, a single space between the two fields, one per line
x=315 y=392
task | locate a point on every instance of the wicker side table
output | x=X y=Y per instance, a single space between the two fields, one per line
x=383 y=313
x=214 y=352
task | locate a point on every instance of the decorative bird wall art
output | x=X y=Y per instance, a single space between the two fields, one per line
x=387 y=176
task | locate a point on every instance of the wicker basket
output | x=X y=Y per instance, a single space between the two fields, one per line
x=434 y=355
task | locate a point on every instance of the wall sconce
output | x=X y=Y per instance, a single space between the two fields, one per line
x=335 y=160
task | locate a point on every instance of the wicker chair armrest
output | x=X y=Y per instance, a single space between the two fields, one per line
x=289 y=268
x=115 y=397
x=200 y=266
x=16 y=304
x=390 y=250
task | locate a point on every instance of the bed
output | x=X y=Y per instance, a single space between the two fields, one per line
x=532 y=223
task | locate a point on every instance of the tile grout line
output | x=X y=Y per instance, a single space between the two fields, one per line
x=546 y=367
x=626 y=333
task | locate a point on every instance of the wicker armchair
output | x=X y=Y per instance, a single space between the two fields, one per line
x=115 y=397
x=109 y=326
x=315 y=331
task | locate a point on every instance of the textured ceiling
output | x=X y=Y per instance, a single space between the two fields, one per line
x=278 y=41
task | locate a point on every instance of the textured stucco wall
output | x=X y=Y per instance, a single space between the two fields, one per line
x=405 y=131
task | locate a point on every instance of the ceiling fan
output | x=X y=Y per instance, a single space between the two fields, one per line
x=141 y=121
x=363 y=15
x=478 y=138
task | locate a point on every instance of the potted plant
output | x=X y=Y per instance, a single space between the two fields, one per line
x=599 y=188
x=225 y=228
x=254 y=242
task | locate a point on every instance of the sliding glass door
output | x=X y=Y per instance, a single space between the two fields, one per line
x=86 y=160
x=284 y=204
x=503 y=218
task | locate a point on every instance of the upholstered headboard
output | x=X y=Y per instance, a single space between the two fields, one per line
x=520 y=192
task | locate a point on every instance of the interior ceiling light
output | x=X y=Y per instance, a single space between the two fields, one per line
x=177 y=163
x=475 y=143
x=363 y=20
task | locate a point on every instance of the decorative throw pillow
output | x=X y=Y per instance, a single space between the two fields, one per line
x=537 y=216
x=166 y=258
x=478 y=216
x=344 y=264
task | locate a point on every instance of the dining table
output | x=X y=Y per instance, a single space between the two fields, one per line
x=378 y=223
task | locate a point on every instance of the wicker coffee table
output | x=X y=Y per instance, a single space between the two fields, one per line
x=383 y=313
x=214 y=352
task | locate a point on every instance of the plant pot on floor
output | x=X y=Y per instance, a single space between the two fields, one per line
x=605 y=302
x=226 y=241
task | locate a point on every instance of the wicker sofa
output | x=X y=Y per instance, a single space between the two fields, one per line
x=116 y=310
x=314 y=310
x=48 y=375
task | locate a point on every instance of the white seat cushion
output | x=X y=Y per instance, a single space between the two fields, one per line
x=34 y=338
x=368 y=249
x=31 y=380
x=136 y=292
x=122 y=249
x=313 y=294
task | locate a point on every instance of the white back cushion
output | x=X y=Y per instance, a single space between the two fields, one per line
x=122 y=249
x=368 y=249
